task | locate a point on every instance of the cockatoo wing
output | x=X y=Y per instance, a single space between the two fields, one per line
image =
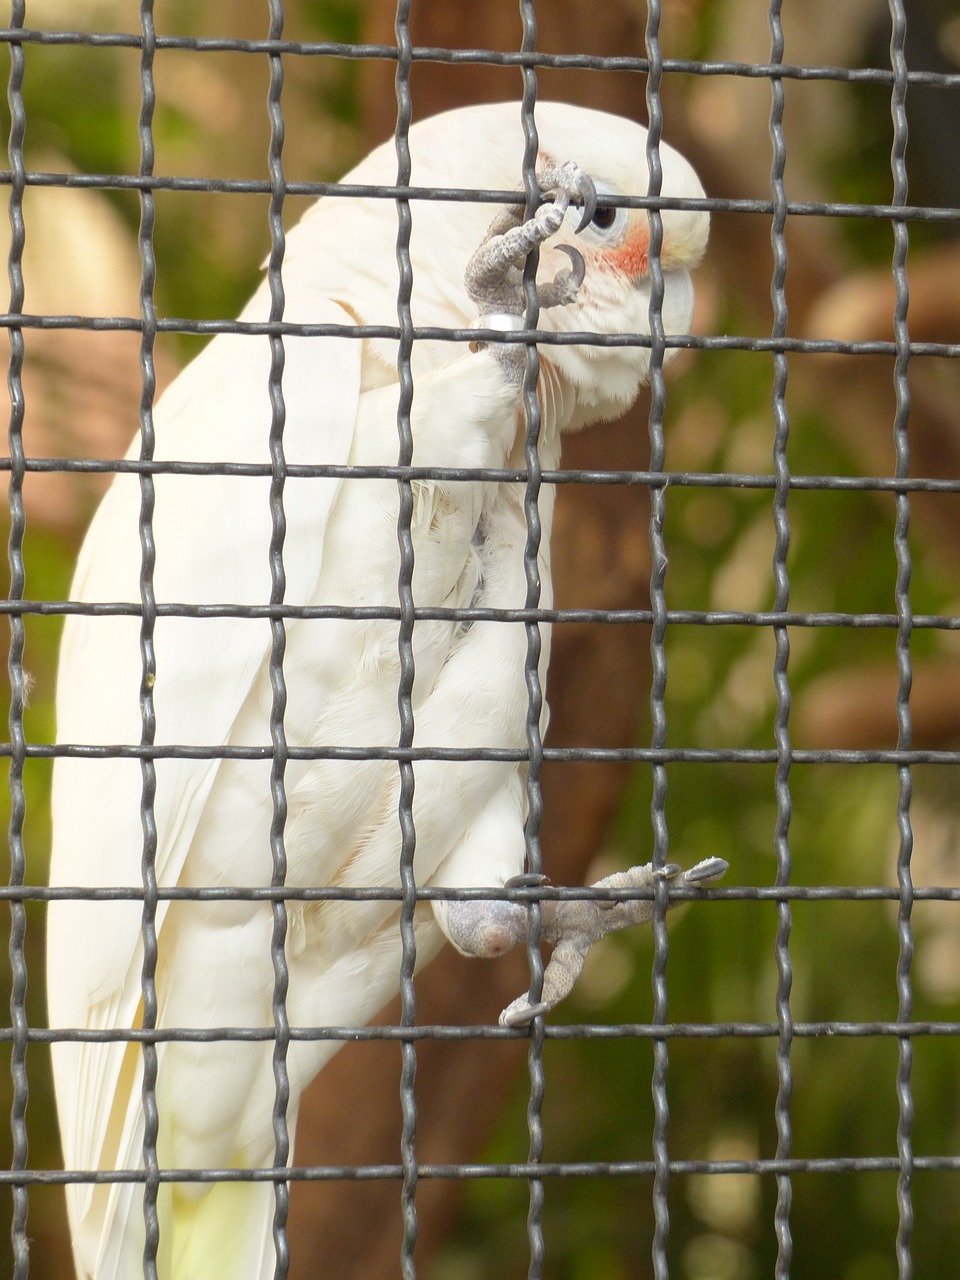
x=212 y=536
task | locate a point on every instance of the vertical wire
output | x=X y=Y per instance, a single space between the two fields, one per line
x=661 y=1108
x=278 y=639
x=531 y=563
x=148 y=667
x=782 y=655
x=18 y=918
x=904 y=627
x=408 y=835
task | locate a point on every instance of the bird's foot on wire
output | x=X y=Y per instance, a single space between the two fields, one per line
x=494 y=275
x=572 y=927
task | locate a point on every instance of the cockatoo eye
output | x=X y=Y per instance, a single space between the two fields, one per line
x=608 y=224
x=604 y=218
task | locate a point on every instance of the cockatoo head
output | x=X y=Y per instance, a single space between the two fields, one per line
x=482 y=148
x=615 y=246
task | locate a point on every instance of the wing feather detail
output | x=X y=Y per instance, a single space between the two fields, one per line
x=212 y=535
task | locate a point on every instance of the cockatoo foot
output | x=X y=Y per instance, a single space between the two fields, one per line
x=573 y=926
x=494 y=275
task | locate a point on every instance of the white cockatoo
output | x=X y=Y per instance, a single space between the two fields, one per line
x=212 y=685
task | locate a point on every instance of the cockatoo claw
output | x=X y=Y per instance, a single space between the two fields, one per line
x=702 y=873
x=588 y=194
x=527 y=880
x=578 y=187
x=579 y=271
x=667 y=872
x=494 y=275
x=575 y=924
x=565 y=285
x=520 y=1012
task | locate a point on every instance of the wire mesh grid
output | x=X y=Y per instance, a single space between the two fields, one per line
x=656 y=1173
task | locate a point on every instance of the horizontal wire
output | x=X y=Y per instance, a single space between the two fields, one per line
x=464 y=1171
x=571 y=338
x=492 y=475
x=494 y=57
x=429 y=333
x=476 y=613
x=385 y=191
x=484 y=1031
x=473 y=893
x=503 y=755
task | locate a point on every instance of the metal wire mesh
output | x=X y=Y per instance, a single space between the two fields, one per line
x=787 y=1028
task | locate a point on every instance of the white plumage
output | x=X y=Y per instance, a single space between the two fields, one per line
x=212 y=685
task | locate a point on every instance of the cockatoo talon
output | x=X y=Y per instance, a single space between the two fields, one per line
x=494 y=275
x=565 y=285
x=520 y=1012
x=576 y=924
x=526 y=880
x=579 y=271
x=570 y=185
x=589 y=207
x=667 y=872
x=705 y=872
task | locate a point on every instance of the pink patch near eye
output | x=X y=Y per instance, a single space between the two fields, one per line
x=631 y=256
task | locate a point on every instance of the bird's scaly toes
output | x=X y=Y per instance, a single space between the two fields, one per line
x=494 y=275
x=576 y=924
x=570 y=185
